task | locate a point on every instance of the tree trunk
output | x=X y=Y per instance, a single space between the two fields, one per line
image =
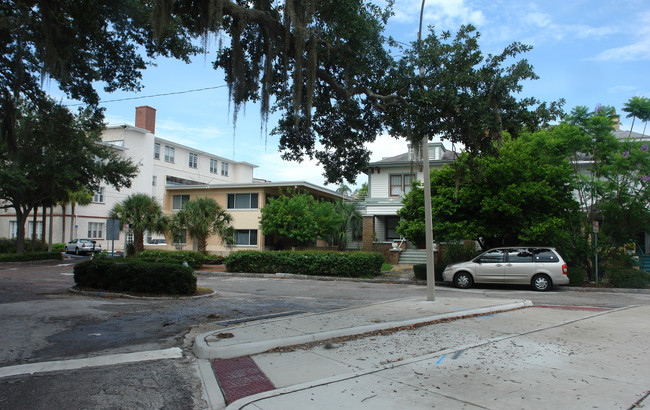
x=35 y=220
x=203 y=244
x=72 y=221
x=138 y=241
x=43 y=228
x=21 y=218
x=49 y=241
x=63 y=223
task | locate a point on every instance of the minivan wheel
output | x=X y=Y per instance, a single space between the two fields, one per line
x=463 y=280
x=542 y=283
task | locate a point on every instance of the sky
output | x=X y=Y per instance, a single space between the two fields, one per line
x=588 y=52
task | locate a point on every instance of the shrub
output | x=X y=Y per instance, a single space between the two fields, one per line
x=576 y=275
x=214 y=260
x=350 y=264
x=193 y=258
x=420 y=271
x=30 y=256
x=629 y=278
x=132 y=275
x=9 y=246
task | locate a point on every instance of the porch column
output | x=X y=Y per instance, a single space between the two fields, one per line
x=368 y=232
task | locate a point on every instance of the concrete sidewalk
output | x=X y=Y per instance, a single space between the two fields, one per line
x=236 y=341
x=498 y=356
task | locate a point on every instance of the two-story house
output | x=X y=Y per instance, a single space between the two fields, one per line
x=388 y=180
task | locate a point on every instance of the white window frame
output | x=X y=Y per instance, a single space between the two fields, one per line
x=214 y=166
x=231 y=200
x=252 y=234
x=224 y=169
x=156 y=150
x=30 y=229
x=99 y=195
x=193 y=160
x=170 y=152
x=95 y=230
x=181 y=199
x=13 y=229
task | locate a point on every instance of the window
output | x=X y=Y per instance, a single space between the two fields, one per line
x=545 y=255
x=169 y=153
x=30 y=230
x=242 y=201
x=224 y=169
x=519 y=255
x=401 y=184
x=213 y=166
x=153 y=180
x=246 y=237
x=493 y=256
x=179 y=200
x=99 y=196
x=95 y=230
x=193 y=160
x=13 y=229
x=391 y=227
x=395 y=185
x=408 y=182
x=156 y=150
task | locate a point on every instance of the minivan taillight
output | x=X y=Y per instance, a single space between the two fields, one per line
x=564 y=269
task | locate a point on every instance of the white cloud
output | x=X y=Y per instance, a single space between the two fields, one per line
x=639 y=50
x=444 y=14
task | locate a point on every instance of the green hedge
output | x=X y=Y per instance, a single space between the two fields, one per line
x=420 y=271
x=30 y=256
x=9 y=245
x=628 y=278
x=124 y=275
x=193 y=258
x=576 y=275
x=348 y=264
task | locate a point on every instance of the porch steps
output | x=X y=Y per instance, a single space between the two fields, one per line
x=644 y=263
x=413 y=257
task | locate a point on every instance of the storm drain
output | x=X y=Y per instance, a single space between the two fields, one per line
x=240 y=377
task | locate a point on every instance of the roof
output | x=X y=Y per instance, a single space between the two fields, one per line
x=257 y=185
x=405 y=159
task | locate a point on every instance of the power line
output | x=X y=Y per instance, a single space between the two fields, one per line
x=154 y=95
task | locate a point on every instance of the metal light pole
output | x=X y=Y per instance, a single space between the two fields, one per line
x=428 y=220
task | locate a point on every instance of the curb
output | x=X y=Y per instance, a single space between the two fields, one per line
x=203 y=351
x=396 y=281
x=102 y=294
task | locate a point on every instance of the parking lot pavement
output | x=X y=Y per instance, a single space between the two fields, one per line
x=537 y=357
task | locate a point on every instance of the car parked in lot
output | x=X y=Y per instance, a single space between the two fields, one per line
x=539 y=267
x=160 y=242
x=79 y=246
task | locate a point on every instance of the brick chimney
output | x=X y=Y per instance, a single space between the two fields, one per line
x=145 y=117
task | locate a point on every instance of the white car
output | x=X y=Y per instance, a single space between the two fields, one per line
x=539 y=267
x=79 y=246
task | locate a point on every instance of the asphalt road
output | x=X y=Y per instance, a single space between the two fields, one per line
x=43 y=322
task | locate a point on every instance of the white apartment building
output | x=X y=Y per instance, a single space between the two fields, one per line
x=161 y=163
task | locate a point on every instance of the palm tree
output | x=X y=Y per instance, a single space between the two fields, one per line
x=637 y=107
x=352 y=223
x=141 y=212
x=81 y=197
x=204 y=217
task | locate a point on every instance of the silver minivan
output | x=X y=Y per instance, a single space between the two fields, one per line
x=539 y=267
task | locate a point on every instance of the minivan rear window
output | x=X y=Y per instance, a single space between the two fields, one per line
x=545 y=255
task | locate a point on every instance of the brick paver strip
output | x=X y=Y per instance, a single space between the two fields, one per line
x=240 y=377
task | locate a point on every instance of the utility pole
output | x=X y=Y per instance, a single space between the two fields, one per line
x=428 y=220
